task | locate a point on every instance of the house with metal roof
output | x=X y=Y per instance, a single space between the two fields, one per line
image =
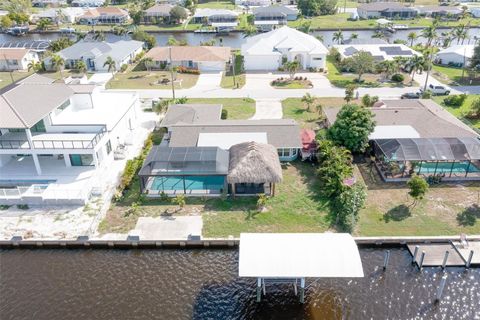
x=269 y=51
x=56 y=140
x=95 y=53
x=420 y=137
x=390 y=10
x=269 y=17
x=17 y=58
x=380 y=52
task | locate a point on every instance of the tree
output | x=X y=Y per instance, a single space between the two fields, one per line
x=474 y=112
x=34 y=66
x=354 y=35
x=389 y=67
x=475 y=59
x=308 y=100
x=310 y=8
x=43 y=24
x=347 y=205
x=178 y=14
x=60 y=44
x=292 y=67
x=430 y=33
x=350 y=92
x=335 y=166
x=412 y=36
x=179 y=200
x=18 y=17
x=81 y=66
x=352 y=127
x=147 y=62
x=17 y=6
x=415 y=64
x=148 y=39
x=418 y=188
x=305 y=26
x=111 y=64
x=58 y=63
x=338 y=36
x=368 y=101
x=99 y=36
x=360 y=63
x=5 y=22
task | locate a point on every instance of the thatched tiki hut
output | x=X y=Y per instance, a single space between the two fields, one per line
x=253 y=168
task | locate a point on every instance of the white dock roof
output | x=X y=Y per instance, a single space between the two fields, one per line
x=299 y=255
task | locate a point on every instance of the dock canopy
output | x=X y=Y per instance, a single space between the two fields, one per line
x=299 y=255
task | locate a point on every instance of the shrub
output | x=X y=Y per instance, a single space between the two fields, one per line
x=179 y=200
x=262 y=201
x=182 y=69
x=123 y=68
x=23 y=206
x=426 y=94
x=398 y=77
x=455 y=100
x=224 y=114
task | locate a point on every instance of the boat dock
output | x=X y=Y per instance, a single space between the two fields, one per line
x=435 y=254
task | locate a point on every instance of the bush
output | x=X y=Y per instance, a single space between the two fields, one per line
x=23 y=206
x=123 y=68
x=224 y=114
x=182 y=69
x=455 y=100
x=397 y=77
x=426 y=94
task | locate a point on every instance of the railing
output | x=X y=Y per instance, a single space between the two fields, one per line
x=42 y=191
x=14 y=144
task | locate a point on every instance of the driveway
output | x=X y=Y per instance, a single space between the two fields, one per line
x=168 y=227
x=100 y=78
x=208 y=81
x=268 y=109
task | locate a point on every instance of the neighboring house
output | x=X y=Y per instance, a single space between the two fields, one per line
x=364 y=41
x=103 y=15
x=172 y=2
x=48 y=3
x=160 y=13
x=221 y=19
x=57 y=141
x=455 y=55
x=391 y=10
x=441 y=12
x=253 y=3
x=203 y=58
x=268 y=51
x=88 y=3
x=58 y=16
x=380 y=52
x=420 y=137
x=267 y=18
x=16 y=59
x=95 y=53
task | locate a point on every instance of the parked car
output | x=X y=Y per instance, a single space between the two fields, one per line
x=437 y=90
x=411 y=95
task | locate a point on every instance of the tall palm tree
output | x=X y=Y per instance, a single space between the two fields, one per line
x=416 y=64
x=112 y=66
x=338 y=36
x=58 y=63
x=412 y=36
x=430 y=33
x=308 y=99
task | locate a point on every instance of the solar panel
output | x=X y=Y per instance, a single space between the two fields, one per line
x=396 y=51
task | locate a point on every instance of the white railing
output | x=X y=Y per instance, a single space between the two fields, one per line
x=43 y=191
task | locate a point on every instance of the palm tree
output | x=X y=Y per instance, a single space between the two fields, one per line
x=416 y=64
x=412 y=36
x=354 y=35
x=34 y=66
x=389 y=67
x=430 y=33
x=147 y=62
x=99 y=36
x=338 y=36
x=308 y=99
x=80 y=66
x=112 y=66
x=58 y=63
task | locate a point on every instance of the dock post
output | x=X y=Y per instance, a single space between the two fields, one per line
x=302 y=290
x=385 y=260
x=469 y=261
x=295 y=287
x=445 y=258
x=414 y=258
x=263 y=287
x=440 y=288
x=259 y=289
x=422 y=257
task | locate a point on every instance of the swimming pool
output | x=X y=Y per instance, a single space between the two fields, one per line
x=446 y=167
x=191 y=183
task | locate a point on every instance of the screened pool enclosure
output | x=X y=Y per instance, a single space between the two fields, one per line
x=448 y=158
x=190 y=171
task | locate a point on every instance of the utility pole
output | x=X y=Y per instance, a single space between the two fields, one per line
x=233 y=70
x=8 y=67
x=171 y=71
x=464 y=61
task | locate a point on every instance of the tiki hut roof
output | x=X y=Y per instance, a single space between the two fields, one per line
x=252 y=162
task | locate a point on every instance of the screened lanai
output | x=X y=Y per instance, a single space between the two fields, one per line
x=189 y=170
x=449 y=158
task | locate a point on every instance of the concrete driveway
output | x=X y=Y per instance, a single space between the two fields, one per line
x=100 y=78
x=208 y=81
x=268 y=109
x=168 y=227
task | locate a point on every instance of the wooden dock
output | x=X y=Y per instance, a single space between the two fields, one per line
x=435 y=253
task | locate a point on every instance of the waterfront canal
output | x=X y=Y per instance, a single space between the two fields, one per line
x=203 y=284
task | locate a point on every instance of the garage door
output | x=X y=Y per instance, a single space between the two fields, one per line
x=211 y=66
x=261 y=62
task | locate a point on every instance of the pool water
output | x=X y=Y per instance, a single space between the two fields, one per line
x=191 y=183
x=445 y=167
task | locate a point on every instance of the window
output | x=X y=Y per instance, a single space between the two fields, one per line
x=284 y=152
x=108 y=147
x=80 y=160
x=39 y=127
x=317 y=59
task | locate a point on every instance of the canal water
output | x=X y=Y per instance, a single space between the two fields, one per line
x=235 y=40
x=203 y=284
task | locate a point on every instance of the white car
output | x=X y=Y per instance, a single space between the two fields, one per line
x=438 y=90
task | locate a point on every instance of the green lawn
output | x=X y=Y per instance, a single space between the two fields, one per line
x=227 y=81
x=238 y=108
x=459 y=112
x=294 y=108
x=150 y=80
x=216 y=4
x=292 y=84
x=6 y=77
x=453 y=76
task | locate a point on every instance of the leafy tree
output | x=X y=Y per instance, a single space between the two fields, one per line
x=368 y=101
x=60 y=44
x=5 y=22
x=474 y=112
x=347 y=205
x=361 y=62
x=147 y=62
x=292 y=67
x=111 y=64
x=475 y=59
x=335 y=166
x=308 y=99
x=352 y=127
x=17 y=6
x=412 y=36
x=148 y=39
x=310 y=8
x=80 y=66
x=418 y=188
x=178 y=14
x=389 y=67
x=349 y=92
x=430 y=33
x=18 y=17
x=305 y=26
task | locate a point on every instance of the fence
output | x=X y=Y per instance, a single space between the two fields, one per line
x=38 y=193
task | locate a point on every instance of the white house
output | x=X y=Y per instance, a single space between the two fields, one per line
x=58 y=142
x=16 y=58
x=268 y=51
x=380 y=52
x=455 y=55
x=59 y=15
x=95 y=53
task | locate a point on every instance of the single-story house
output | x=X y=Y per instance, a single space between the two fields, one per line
x=267 y=18
x=88 y=3
x=222 y=19
x=455 y=55
x=441 y=12
x=58 y=16
x=392 y=10
x=379 y=52
x=248 y=168
x=253 y=3
x=159 y=13
x=269 y=51
x=95 y=53
x=364 y=41
x=103 y=15
x=16 y=58
x=419 y=136
x=203 y=58
x=48 y=3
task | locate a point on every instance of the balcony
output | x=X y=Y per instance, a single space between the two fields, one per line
x=42 y=140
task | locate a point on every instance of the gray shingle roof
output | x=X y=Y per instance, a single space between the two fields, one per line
x=191 y=113
x=273 y=10
x=117 y=50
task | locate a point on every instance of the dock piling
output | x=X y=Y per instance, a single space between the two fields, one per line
x=445 y=258
x=470 y=257
x=440 y=288
x=414 y=258
x=302 y=290
x=259 y=289
x=422 y=258
x=385 y=260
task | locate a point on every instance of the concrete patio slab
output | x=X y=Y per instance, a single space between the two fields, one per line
x=168 y=227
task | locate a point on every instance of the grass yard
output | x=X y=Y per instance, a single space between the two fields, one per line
x=227 y=81
x=291 y=84
x=216 y=4
x=150 y=80
x=238 y=108
x=459 y=112
x=6 y=77
x=453 y=76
